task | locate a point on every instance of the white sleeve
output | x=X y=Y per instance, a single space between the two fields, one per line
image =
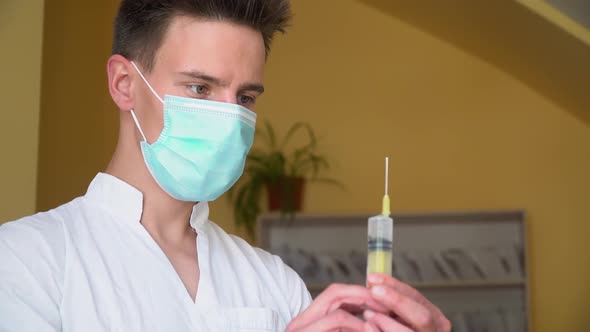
x=292 y=286
x=300 y=298
x=31 y=275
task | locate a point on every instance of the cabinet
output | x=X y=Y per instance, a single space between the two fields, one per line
x=471 y=264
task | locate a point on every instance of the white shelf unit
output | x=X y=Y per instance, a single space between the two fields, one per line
x=473 y=304
x=315 y=287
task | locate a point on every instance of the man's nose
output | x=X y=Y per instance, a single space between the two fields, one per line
x=226 y=96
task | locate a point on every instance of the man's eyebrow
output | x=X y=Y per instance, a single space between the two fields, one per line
x=195 y=74
x=199 y=75
x=252 y=87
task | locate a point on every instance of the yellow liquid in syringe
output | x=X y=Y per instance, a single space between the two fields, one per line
x=379 y=261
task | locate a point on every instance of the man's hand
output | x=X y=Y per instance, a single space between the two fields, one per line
x=388 y=305
x=409 y=310
x=335 y=309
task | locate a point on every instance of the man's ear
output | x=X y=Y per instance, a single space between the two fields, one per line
x=120 y=82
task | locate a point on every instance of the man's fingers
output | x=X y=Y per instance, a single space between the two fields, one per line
x=415 y=314
x=333 y=298
x=442 y=323
x=384 y=323
x=338 y=320
x=375 y=279
x=358 y=305
x=336 y=294
x=371 y=327
x=405 y=289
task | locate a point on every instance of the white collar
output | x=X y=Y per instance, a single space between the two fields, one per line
x=126 y=202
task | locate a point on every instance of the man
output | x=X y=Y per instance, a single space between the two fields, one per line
x=137 y=252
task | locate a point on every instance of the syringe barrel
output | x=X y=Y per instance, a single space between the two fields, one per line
x=380 y=244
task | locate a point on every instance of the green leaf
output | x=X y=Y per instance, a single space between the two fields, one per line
x=272 y=138
x=312 y=162
x=238 y=203
x=293 y=129
x=272 y=164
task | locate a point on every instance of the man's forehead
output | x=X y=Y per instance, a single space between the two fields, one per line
x=189 y=33
x=192 y=29
x=192 y=43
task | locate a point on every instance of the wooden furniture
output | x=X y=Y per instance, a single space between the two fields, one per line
x=471 y=264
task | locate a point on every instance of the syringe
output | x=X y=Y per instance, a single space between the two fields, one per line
x=380 y=235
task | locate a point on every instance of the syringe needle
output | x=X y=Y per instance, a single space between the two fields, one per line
x=386 y=175
x=385 y=205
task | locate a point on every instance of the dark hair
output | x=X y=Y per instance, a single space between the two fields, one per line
x=140 y=25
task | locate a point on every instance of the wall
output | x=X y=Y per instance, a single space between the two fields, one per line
x=21 y=27
x=461 y=134
x=79 y=121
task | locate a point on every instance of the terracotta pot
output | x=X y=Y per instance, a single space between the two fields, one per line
x=286 y=194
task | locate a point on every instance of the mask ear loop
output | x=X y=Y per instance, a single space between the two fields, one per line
x=137 y=124
x=152 y=90
x=146 y=82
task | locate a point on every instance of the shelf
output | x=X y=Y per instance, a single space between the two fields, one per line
x=449 y=284
x=470 y=284
x=473 y=300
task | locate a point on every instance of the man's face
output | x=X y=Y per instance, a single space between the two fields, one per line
x=211 y=60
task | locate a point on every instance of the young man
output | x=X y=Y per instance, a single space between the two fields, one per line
x=137 y=252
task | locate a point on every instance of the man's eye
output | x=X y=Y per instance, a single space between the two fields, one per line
x=245 y=99
x=198 y=89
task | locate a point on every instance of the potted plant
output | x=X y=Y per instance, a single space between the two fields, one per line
x=280 y=170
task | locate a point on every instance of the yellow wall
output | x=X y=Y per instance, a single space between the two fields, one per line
x=461 y=133
x=79 y=121
x=21 y=27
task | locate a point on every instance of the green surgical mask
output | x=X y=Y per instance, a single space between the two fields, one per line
x=202 y=148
